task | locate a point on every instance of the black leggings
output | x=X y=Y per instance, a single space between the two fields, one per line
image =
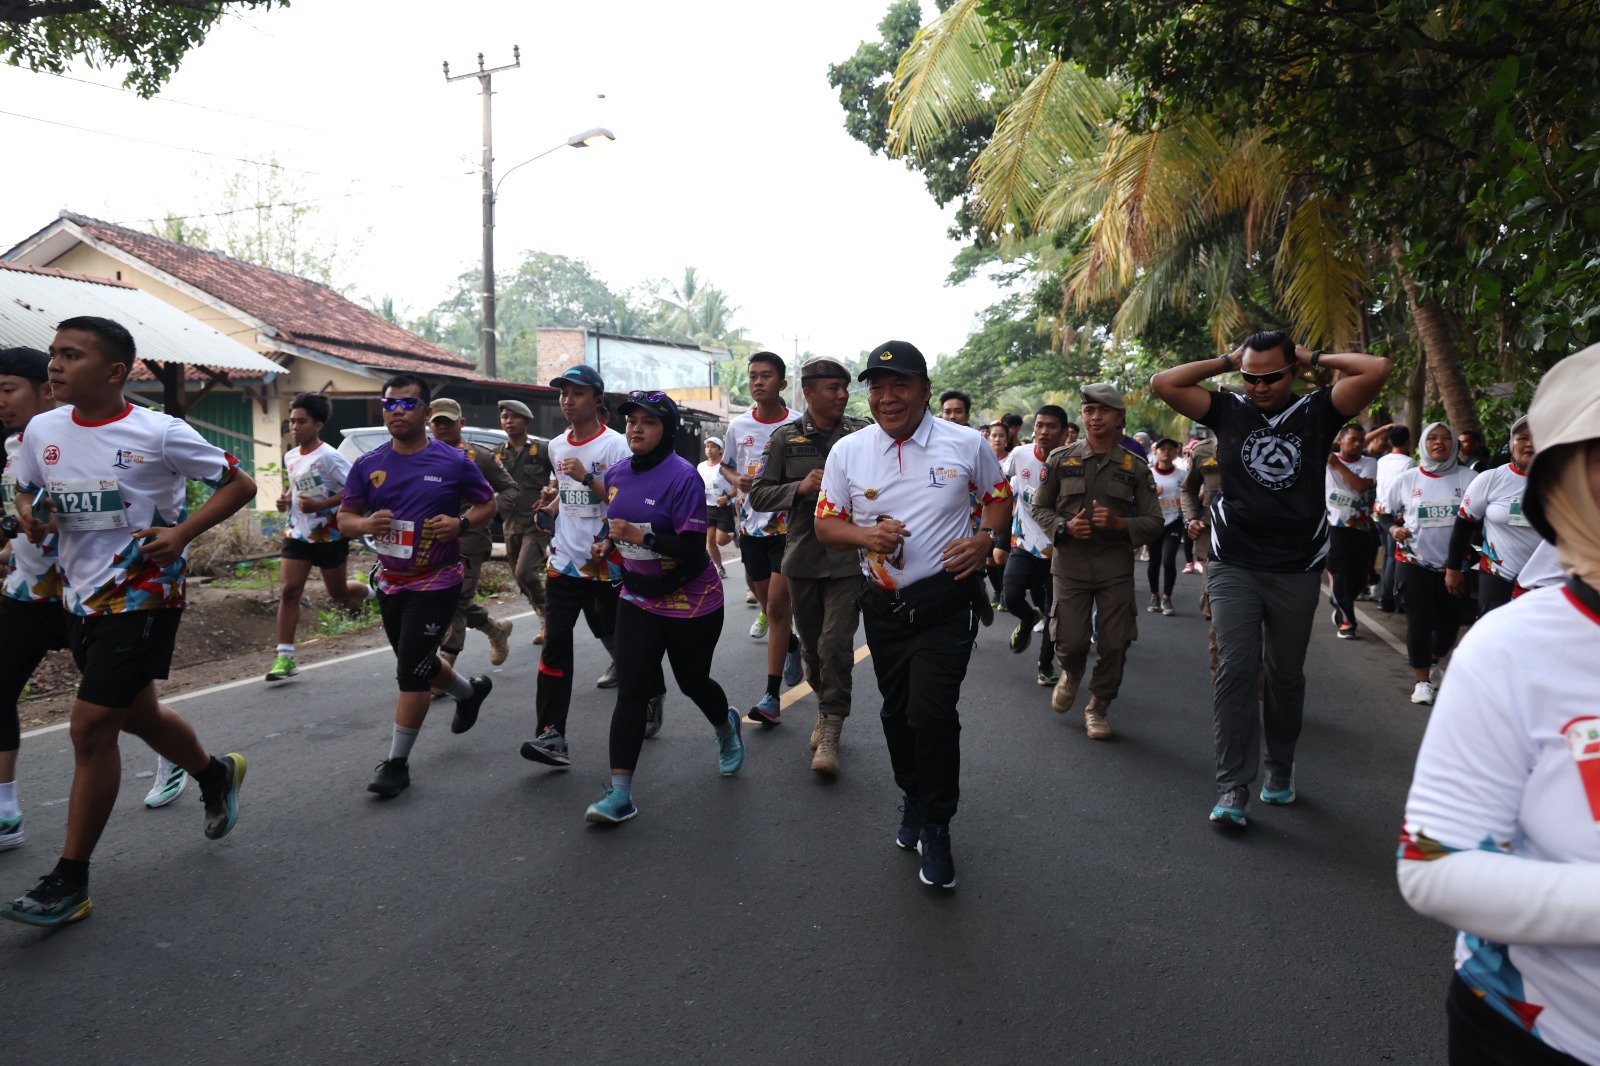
x=27 y=632
x=1027 y=575
x=641 y=639
x=1493 y=591
x=1164 y=557
x=1433 y=616
x=1481 y=1036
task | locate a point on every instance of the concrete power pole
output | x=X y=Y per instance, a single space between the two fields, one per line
x=483 y=77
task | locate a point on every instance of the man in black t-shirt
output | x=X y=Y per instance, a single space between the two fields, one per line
x=1269 y=537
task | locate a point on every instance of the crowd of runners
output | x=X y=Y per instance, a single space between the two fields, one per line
x=918 y=529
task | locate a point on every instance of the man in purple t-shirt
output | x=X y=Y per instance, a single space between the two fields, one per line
x=407 y=496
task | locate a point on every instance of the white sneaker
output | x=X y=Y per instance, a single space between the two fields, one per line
x=169 y=784
x=1422 y=693
x=758 y=628
x=1038 y=627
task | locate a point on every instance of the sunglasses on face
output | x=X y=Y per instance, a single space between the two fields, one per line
x=400 y=403
x=1264 y=379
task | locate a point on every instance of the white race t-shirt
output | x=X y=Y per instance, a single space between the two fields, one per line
x=1390 y=467
x=1347 y=508
x=1499 y=770
x=747 y=453
x=32 y=576
x=107 y=479
x=581 y=521
x=1169 y=493
x=319 y=473
x=1495 y=499
x=1024 y=471
x=925 y=481
x=1426 y=505
x=716 y=482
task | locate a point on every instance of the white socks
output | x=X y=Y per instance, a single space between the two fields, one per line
x=400 y=746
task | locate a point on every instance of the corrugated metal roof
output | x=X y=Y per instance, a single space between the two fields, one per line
x=34 y=299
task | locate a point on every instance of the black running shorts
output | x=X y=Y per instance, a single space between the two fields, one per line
x=119 y=654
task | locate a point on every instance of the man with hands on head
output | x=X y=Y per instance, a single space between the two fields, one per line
x=408 y=495
x=1269 y=540
x=899 y=493
x=1098 y=505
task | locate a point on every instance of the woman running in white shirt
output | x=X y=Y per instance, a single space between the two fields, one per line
x=1491 y=515
x=1420 y=512
x=1500 y=837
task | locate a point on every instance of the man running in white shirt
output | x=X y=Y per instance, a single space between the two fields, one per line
x=1350 y=480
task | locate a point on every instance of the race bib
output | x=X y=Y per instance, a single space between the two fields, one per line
x=1430 y=515
x=1514 y=515
x=579 y=502
x=1027 y=496
x=87 y=503
x=308 y=485
x=1343 y=500
x=8 y=493
x=638 y=551
x=399 y=541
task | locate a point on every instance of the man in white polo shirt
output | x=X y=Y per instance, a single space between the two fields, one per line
x=898 y=493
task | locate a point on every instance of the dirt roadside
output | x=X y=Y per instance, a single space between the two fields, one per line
x=227 y=635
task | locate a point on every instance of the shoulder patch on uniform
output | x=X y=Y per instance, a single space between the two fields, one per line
x=1127 y=460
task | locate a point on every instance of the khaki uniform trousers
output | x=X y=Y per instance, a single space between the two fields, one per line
x=1081 y=607
x=826 y=613
x=527 y=554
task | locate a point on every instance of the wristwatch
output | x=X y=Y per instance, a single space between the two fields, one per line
x=649 y=542
x=1315 y=357
x=994 y=538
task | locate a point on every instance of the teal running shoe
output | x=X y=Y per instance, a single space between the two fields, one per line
x=222 y=806
x=1278 y=788
x=169 y=784
x=768 y=710
x=730 y=746
x=52 y=902
x=11 y=835
x=613 y=808
x=1229 y=809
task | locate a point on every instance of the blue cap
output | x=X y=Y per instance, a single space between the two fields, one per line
x=582 y=374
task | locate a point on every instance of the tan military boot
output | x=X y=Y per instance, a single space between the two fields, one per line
x=816 y=731
x=1066 y=692
x=826 y=760
x=538 y=638
x=499 y=634
x=1094 y=719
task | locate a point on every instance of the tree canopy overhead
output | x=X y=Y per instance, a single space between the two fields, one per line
x=149 y=37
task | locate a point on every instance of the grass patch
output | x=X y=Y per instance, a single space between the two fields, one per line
x=260 y=574
x=337 y=621
x=491 y=585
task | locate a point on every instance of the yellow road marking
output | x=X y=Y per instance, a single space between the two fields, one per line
x=803 y=689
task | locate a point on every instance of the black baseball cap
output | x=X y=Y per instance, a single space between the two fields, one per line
x=582 y=374
x=897 y=357
x=28 y=363
x=656 y=403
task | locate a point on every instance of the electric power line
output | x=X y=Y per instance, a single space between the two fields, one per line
x=186 y=103
x=157 y=144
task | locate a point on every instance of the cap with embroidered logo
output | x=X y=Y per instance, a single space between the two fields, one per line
x=582 y=374
x=896 y=357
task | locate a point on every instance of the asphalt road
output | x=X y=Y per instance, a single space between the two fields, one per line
x=762 y=918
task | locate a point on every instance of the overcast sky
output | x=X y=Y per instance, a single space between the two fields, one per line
x=730 y=155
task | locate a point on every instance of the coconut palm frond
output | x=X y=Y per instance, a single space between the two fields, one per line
x=948 y=77
x=1318 y=276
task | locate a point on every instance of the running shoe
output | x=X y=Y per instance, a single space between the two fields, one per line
x=653 y=712
x=794 y=669
x=910 y=824
x=1155 y=604
x=609 y=679
x=938 y=866
x=1423 y=693
x=11 y=834
x=1188 y=568
x=750 y=597
x=51 y=902
x=758 y=628
x=722 y=572
x=1199 y=568
x=283 y=668
x=1278 y=788
x=730 y=746
x=1144 y=554
x=999 y=607
x=394 y=777
x=467 y=709
x=1021 y=637
x=1047 y=678
x=1347 y=631
x=766 y=711
x=499 y=634
x=1166 y=606
x=222 y=806
x=1038 y=627
x=613 y=808
x=549 y=747
x=169 y=784
x=1229 y=809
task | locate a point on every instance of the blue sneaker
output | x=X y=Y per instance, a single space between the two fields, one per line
x=938 y=866
x=794 y=670
x=730 y=746
x=614 y=807
x=766 y=711
x=222 y=807
x=1278 y=788
x=51 y=902
x=910 y=824
x=11 y=832
x=1229 y=809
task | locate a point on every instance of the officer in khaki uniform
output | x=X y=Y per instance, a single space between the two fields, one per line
x=527 y=460
x=824 y=583
x=476 y=544
x=1098 y=504
x=1205 y=473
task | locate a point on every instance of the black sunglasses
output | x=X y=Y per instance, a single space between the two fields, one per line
x=1264 y=379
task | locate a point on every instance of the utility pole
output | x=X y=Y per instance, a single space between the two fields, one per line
x=483 y=77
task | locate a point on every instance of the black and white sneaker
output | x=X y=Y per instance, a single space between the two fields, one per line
x=467 y=709
x=653 y=712
x=938 y=865
x=549 y=747
x=609 y=679
x=394 y=777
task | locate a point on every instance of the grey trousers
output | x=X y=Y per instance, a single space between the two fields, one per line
x=1245 y=605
